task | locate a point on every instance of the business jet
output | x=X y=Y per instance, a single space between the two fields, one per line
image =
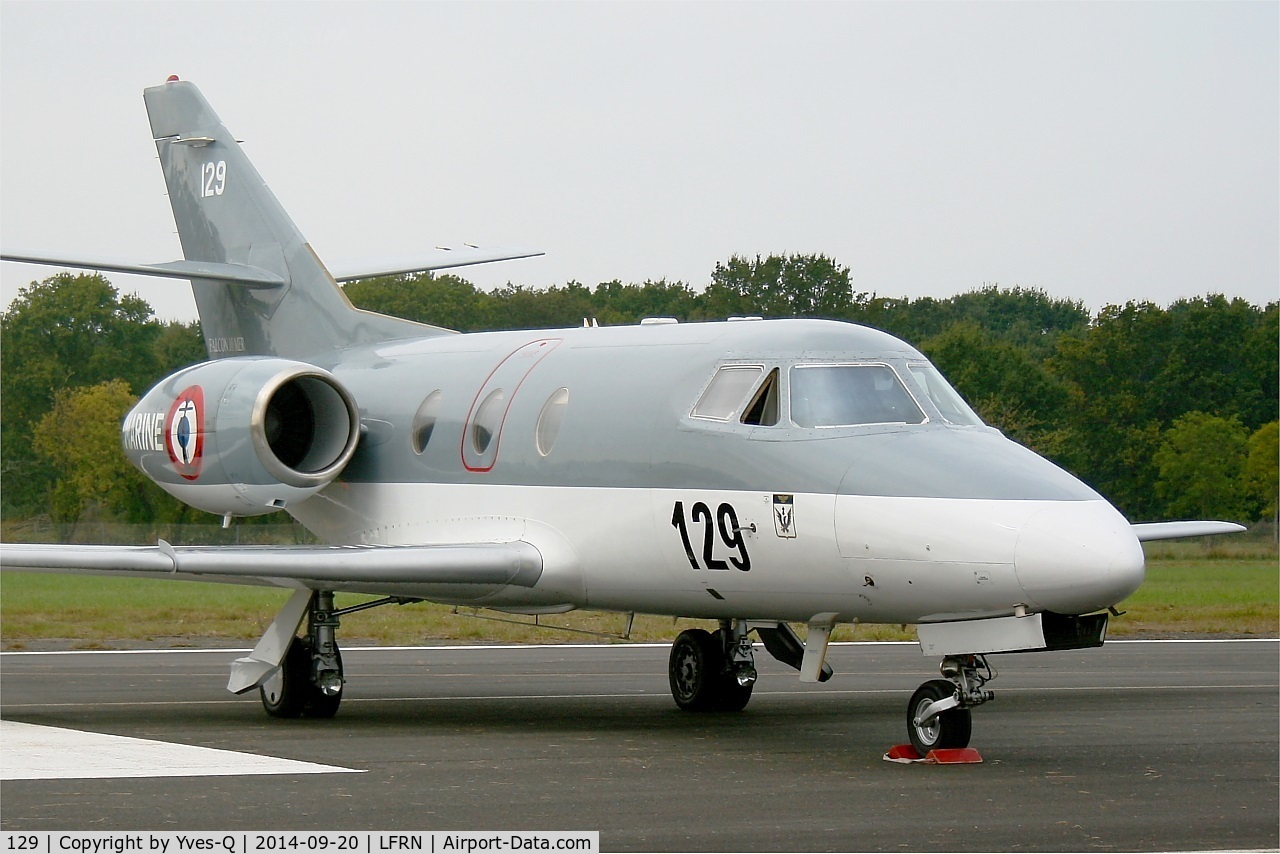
x=755 y=473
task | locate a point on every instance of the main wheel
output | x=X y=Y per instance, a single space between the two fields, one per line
x=699 y=682
x=285 y=693
x=318 y=703
x=695 y=662
x=732 y=696
x=290 y=693
x=950 y=729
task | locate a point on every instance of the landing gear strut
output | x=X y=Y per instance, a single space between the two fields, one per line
x=712 y=672
x=938 y=714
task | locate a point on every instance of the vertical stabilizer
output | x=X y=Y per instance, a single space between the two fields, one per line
x=226 y=215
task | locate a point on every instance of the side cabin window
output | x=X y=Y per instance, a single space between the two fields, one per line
x=549 y=421
x=424 y=421
x=487 y=420
x=727 y=392
x=843 y=395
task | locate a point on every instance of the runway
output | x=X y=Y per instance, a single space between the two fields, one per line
x=1135 y=746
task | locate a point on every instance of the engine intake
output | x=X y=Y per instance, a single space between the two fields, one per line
x=305 y=427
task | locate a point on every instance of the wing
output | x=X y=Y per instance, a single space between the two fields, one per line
x=389 y=569
x=1149 y=531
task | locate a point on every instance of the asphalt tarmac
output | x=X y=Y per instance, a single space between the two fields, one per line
x=1137 y=746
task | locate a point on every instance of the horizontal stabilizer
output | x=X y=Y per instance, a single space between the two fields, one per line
x=435 y=259
x=241 y=274
x=1149 y=531
x=332 y=567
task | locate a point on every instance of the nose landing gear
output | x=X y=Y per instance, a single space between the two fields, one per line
x=938 y=714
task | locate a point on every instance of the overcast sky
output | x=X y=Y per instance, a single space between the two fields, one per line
x=1099 y=151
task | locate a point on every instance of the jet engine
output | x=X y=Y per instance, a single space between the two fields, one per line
x=243 y=436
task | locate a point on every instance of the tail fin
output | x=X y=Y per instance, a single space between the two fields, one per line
x=226 y=215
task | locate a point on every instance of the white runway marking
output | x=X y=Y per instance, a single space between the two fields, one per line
x=30 y=752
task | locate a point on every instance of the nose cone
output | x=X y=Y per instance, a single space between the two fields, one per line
x=1073 y=557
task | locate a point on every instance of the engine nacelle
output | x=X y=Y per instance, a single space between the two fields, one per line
x=243 y=436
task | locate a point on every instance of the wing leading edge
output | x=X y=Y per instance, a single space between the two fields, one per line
x=331 y=567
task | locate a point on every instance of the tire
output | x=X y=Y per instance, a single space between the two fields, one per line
x=696 y=662
x=732 y=696
x=285 y=694
x=699 y=682
x=949 y=730
x=318 y=703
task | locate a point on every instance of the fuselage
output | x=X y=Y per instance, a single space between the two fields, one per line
x=779 y=470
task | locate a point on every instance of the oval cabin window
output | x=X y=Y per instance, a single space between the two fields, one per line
x=550 y=419
x=424 y=421
x=487 y=420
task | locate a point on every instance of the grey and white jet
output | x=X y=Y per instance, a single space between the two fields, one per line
x=758 y=473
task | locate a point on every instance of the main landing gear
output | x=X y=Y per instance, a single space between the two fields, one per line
x=309 y=681
x=938 y=714
x=712 y=672
x=300 y=676
x=715 y=672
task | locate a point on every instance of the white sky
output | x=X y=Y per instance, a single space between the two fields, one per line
x=1099 y=151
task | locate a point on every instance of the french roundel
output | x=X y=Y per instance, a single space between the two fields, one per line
x=184 y=432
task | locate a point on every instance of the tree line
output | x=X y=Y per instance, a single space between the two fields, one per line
x=1168 y=411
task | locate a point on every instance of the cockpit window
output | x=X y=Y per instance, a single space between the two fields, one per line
x=763 y=409
x=947 y=399
x=842 y=395
x=727 y=392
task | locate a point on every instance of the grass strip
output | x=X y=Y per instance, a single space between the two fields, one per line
x=1181 y=597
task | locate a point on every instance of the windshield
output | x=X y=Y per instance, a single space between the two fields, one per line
x=950 y=404
x=842 y=395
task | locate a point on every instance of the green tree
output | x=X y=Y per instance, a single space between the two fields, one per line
x=618 y=303
x=178 y=345
x=780 y=286
x=557 y=307
x=1139 y=367
x=440 y=300
x=1262 y=471
x=80 y=438
x=1201 y=463
x=1007 y=386
x=66 y=331
x=1025 y=317
x=1210 y=360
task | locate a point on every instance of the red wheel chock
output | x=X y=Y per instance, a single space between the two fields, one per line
x=906 y=754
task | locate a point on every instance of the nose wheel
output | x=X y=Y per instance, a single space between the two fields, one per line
x=947 y=729
x=938 y=716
